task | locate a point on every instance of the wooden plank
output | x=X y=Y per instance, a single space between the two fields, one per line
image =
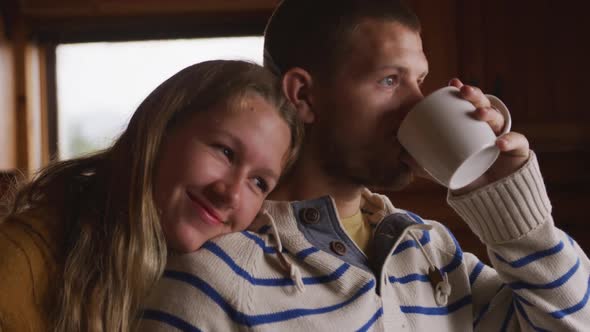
x=36 y=110
x=8 y=159
x=93 y=8
x=470 y=44
x=439 y=21
x=21 y=117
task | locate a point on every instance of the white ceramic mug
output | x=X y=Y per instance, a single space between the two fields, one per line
x=452 y=146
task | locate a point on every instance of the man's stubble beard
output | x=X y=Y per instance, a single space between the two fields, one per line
x=362 y=166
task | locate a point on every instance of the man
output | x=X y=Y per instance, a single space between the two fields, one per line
x=329 y=254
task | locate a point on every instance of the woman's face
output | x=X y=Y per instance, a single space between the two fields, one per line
x=215 y=170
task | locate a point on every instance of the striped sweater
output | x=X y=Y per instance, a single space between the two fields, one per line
x=300 y=272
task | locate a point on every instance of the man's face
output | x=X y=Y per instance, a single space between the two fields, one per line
x=360 y=106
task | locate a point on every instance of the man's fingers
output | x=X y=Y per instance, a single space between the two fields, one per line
x=484 y=110
x=513 y=144
x=475 y=96
x=456 y=83
x=492 y=116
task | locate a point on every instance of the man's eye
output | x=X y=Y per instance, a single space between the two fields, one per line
x=389 y=81
x=261 y=183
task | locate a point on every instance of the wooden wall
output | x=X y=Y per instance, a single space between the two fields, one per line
x=534 y=55
x=7 y=102
x=99 y=20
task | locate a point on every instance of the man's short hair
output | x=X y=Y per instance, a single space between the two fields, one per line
x=313 y=34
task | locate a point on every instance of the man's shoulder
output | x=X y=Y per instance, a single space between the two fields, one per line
x=239 y=249
x=226 y=267
x=256 y=241
x=434 y=232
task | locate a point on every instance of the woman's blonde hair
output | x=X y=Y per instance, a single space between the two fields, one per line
x=114 y=248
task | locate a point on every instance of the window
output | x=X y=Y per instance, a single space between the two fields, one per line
x=99 y=85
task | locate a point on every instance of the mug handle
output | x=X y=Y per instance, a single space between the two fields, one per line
x=499 y=105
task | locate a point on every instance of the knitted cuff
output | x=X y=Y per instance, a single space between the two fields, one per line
x=506 y=209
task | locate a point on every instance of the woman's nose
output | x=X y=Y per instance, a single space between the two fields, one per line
x=225 y=192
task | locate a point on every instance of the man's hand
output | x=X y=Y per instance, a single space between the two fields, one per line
x=514 y=147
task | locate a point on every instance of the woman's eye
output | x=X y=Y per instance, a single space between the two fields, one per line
x=261 y=183
x=226 y=151
x=389 y=81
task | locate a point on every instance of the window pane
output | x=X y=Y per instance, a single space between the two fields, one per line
x=99 y=85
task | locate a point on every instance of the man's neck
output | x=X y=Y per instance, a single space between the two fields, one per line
x=307 y=181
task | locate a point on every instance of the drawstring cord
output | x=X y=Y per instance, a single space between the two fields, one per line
x=439 y=280
x=294 y=272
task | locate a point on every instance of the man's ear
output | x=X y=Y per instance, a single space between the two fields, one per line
x=296 y=85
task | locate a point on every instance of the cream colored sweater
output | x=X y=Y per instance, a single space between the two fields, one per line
x=300 y=272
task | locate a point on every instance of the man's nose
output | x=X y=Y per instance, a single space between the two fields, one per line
x=415 y=95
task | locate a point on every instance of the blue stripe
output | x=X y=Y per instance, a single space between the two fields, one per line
x=411 y=243
x=508 y=318
x=254 y=320
x=571 y=240
x=437 y=311
x=453 y=264
x=526 y=317
x=475 y=273
x=276 y=282
x=409 y=278
x=328 y=278
x=263 y=229
x=562 y=313
x=415 y=217
x=554 y=284
x=371 y=321
x=522 y=299
x=306 y=252
x=457 y=257
x=260 y=243
x=484 y=310
x=532 y=257
x=169 y=319
x=215 y=249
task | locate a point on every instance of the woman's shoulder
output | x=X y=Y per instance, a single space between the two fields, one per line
x=27 y=267
x=31 y=232
x=28 y=248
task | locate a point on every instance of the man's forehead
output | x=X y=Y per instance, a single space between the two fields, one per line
x=380 y=31
x=380 y=44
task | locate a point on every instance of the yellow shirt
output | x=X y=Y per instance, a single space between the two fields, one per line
x=359 y=230
x=27 y=274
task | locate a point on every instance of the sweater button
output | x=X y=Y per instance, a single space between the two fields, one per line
x=310 y=216
x=338 y=248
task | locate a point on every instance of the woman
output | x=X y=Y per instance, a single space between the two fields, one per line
x=87 y=238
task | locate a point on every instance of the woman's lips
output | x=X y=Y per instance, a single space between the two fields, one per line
x=205 y=212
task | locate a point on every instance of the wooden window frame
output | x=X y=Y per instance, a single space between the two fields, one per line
x=49 y=32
